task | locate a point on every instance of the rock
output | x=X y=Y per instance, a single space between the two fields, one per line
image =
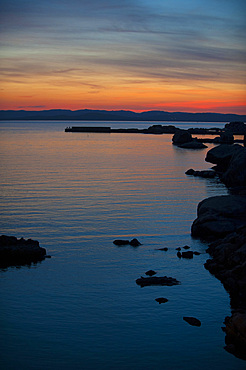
x=188 y=254
x=226 y=138
x=186 y=247
x=209 y=174
x=235 y=174
x=179 y=255
x=121 y=242
x=134 y=243
x=150 y=273
x=165 y=249
x=161 y=300
x=154 y=280
x=196 y=253
x=193 y=145
x=222 y=154
x=218 y=216
x=236 y=128
x=17 y=252
x=235 y=329
x=192 y=321
x=228 y=264
x=190 y=171
x=178 y=249
x=181 y=137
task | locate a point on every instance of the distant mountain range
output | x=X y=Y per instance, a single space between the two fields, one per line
x=118 y=115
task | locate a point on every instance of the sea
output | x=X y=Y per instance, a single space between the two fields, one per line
x=81 y=309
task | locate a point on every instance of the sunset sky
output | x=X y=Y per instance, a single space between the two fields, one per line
x=172 y=55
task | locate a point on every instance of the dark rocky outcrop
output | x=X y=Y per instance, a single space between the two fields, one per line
x=236 y=128
x=218 y=216
x=192 y=321
x=154 y=280
x=17 y=252
x=228 y=264
x=223 y=219
x=231 y=164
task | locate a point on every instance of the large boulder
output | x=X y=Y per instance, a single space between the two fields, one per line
x=218 y=216
x=231 y=162
x=235 y=175
x=222 y=154
x=181 y=137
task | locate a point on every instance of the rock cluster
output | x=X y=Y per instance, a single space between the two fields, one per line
x=222 y=219
x=228 y=264
x=17 y=252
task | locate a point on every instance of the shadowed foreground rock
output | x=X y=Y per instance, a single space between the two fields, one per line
x=17 y=252
x=154 y=280
x=228 y=264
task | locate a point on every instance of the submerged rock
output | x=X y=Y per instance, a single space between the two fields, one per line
x=192 y=321
x=17 y=252
x=164 y=280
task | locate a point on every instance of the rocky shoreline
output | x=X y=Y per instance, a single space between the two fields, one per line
x=221 y=220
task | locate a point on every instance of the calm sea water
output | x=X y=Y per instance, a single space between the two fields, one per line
x=82 y=309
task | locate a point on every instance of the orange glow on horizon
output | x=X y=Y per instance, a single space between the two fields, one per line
x=116 y=94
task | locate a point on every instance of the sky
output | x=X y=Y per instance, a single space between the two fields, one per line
x=140 y=55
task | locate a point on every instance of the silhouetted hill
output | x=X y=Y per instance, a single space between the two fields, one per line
x=120 y=115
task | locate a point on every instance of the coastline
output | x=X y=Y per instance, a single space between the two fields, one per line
x=221 y=220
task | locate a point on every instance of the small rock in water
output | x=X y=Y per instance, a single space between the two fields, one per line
x=188 y=254
x=134 y=242
x=186 y=247
x=192 y=321
x=161 y=300
x=163 y=249
x=178 y=249
x=179 y=254
x=121 y=242
x=150 y=272
x=197 y=253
